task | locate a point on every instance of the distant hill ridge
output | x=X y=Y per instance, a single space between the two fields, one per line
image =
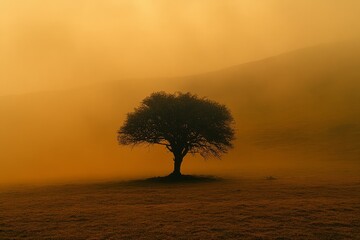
x=305 y=101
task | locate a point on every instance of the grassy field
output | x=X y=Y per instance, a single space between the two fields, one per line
x=224 y=209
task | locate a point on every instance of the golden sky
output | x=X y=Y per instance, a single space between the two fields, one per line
x=60 y=43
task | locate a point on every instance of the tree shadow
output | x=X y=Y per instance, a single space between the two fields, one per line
x=183 y=179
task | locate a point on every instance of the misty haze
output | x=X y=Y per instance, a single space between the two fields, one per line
x=287 y=72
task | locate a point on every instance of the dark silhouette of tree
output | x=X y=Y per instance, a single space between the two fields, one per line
x=183 y=123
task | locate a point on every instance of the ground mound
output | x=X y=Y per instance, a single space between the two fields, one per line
x=179 y=179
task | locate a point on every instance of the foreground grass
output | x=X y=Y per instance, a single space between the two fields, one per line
x=150 y=209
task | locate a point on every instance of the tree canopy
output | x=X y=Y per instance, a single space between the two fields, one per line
x=183 y=123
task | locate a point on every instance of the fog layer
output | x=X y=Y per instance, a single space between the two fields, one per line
x=296 y=113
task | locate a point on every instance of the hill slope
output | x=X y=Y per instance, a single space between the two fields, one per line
x=290 y=110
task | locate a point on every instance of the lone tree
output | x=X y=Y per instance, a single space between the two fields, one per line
x=183 y=123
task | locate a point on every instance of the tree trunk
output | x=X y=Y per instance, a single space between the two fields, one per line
x=177 y=165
